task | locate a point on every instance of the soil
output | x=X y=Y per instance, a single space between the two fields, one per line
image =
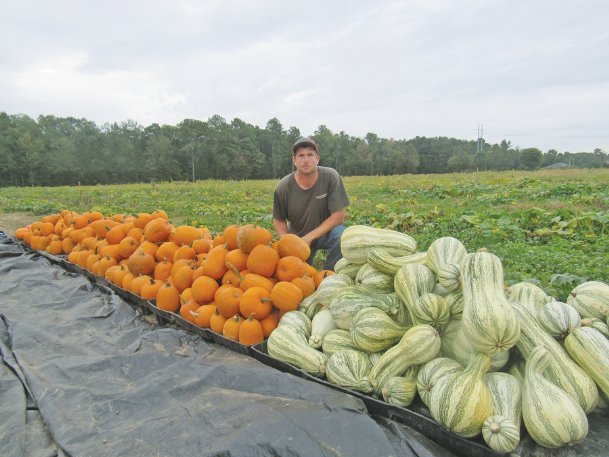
x=9 y=222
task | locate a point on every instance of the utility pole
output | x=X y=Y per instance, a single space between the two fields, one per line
x=480 y=140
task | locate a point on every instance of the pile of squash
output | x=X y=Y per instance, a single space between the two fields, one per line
x=393 y=323
x=238 y=283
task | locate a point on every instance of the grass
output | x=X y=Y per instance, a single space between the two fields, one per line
x=549 y=227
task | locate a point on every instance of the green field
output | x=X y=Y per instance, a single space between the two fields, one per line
x=550 y=227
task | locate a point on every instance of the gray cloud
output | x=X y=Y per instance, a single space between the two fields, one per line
x=536 y=73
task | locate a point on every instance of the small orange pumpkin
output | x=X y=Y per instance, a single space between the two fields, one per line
x=231 y=327
x=290 y=244
x=168 y=298
x=262 y=260
x=250 y=331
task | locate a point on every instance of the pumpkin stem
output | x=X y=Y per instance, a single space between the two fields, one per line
x=235 y=270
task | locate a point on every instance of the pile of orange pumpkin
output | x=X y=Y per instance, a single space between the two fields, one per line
x=238 y=283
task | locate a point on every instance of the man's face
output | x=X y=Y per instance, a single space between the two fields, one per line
x=305 y=160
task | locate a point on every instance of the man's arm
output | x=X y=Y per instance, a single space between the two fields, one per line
x=281 y=227
x=332 y=221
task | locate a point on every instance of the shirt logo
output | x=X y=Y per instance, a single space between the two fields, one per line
x=319 y=197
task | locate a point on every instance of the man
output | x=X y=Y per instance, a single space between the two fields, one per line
x=310 y=202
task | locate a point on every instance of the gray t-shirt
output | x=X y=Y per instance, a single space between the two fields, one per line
x=305 y=210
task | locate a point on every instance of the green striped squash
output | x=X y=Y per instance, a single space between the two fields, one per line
x=374 y=357
x=455 y=305
x=558 y=319
x=298 y=320
x=335 y=340
x=383 y=261
x=372 y=330
x=350 y=369
x=357 y=240
x=591 y=299
x=288 y=344
x=551 y=416
x=590 y=349
x=488 y=319
x=456 y=345
x=401 y=390
x=461 y=402
x=528 y=294
x=517 y=369
x=330 y=286
x=432 y=372
x=444 y=258
x=376 y=280
x=418 y=345
x=324 y=294
x=596 y=324
x=410 y=282
x=321 y=324
x=343 y=266
x=561 y=369
x=430 y=309
x=351 y=299
x=502 y=430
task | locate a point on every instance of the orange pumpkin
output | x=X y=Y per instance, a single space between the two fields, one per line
x=184 y=252
x=249 y=236
x=262 y=260
x=150 y=289
x=286 y=296
x=166 y=251
x=229 y=236
x=168 y=298
x=270 y=323
x=228 y=301
x=142 y=219
x=157 y=230
x=162 y=270
x=321 y=275
x=255 y=280
x=216 y=322
x=231 y=327
x=188 y=309
x=182 y=278
x=290 y=244
x=202 y=246
x=236 y=258
x=290 y=267
x=250 y=331
x=138 y=282
x=214 y=264
x=256 y=301
x=140 y=263
x=203 y=289
x=186 y=235
x=115 y=234
x=305 y=283
x=203 y=315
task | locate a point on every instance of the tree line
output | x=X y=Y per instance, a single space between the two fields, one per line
x=51 y=151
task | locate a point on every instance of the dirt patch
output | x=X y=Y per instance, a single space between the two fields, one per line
x=9 y=222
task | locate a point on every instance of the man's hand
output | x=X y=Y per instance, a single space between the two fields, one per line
x=308 y=238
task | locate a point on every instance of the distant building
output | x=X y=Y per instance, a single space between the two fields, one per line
x=556 y=165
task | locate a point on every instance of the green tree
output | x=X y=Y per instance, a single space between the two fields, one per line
x=530 y=158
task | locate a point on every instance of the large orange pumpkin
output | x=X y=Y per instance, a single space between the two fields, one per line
x=249 y=236
x=290 y=244
x=256 y=301
x=157 y=230
x=262 y=260
x=286 y=296
x=168 y=298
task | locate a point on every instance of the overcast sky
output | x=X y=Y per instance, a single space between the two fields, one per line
x=533 y=72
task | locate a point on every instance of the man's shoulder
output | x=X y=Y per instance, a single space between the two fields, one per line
x=327 y=171
x=285 y=181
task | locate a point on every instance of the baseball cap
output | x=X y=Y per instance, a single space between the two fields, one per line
x=304 y=141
